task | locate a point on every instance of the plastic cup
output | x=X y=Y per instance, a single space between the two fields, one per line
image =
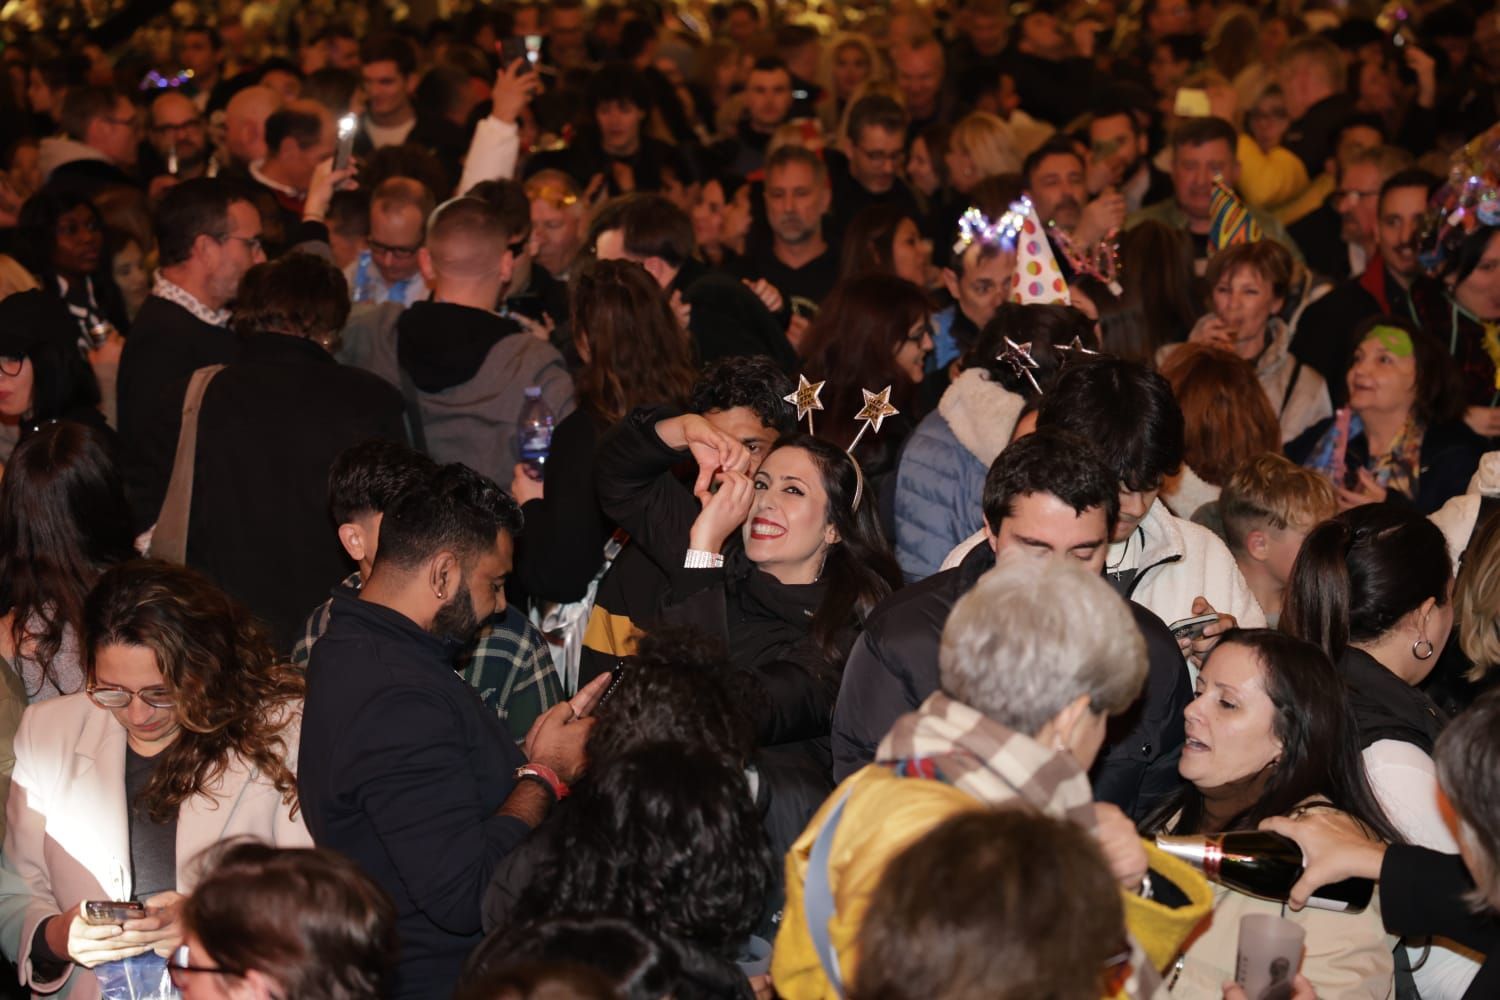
x=1270 y=954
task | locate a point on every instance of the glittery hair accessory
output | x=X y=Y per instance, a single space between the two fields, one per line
x=1018 y=357
x=154 y=80
x=1468 y=201
x=1098 y=260
x=975 y=227
x=805 y=399
x=877 y=407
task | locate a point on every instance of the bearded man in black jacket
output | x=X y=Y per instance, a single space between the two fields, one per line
x=1049 y=494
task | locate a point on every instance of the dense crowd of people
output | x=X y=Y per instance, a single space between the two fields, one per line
x=718 y=500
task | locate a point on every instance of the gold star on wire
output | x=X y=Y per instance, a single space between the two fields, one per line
x=1018 y=356
x=805 y=399
x=877 y=407
x=1076 y=345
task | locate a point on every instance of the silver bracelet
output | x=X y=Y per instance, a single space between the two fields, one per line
x=698 y=559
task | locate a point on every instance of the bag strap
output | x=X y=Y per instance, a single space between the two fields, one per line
x=1291 y=384
x=818 y=905
x=169 y=538
x=413 y=411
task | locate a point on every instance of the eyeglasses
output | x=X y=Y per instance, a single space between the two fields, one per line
x=378 y=249
x=881 y=156
x=1343 y=193
x=191 y=125
x=252 y=243
x=11 y=366
x=920 y=334
x=181 y=963
x=115 y=698
x=131 y=123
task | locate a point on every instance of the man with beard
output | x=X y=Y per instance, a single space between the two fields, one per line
x=1118 y=158
x=1339 y=237
x=1054 y=176
x=177 y=139
x=1325 y=334
x=797 y=261
x=403 y=770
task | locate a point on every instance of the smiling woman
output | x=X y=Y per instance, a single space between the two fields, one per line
x=783 y=566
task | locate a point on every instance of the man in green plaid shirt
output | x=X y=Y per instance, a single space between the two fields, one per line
x=507 y=663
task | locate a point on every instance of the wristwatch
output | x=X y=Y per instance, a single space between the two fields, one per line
x=544 y=775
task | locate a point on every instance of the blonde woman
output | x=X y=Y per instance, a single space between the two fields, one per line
x=981 y=145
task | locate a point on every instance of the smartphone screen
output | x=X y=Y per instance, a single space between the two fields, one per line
x=348 y=125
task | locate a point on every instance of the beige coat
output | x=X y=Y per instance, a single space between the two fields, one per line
x=67 y=832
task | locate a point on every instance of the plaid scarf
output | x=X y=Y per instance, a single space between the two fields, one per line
x=944 y=740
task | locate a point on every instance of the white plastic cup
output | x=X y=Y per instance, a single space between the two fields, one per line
x=1270 y=954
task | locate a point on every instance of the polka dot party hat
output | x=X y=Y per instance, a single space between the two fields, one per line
x=1038 y=280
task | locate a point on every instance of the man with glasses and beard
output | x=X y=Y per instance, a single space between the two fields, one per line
x=1054 y=176
x=388 y=269
x=403 y=770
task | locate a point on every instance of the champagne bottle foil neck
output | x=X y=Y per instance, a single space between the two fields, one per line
x=1202 y=853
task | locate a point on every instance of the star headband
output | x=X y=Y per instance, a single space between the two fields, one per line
x=975 y=227
x=877 y=407
x=1018 y=357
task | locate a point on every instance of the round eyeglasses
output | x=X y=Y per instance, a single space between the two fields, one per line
x=115 y=698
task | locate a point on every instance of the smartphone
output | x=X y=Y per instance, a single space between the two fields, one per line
x=104 y=911
x=172 y=162
x=533 y=49
x=512 y=49
x=348 y=125
x=622 y=667
x=1191 y=628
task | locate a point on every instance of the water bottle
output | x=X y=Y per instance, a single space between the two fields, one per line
x=534 y=431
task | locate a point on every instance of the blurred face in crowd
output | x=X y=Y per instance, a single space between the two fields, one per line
x=117 y=134
x=131 y=275
x=986 y=32
x=851 y=68
x=741 y=25
x=985 y=282
x=909 y=253
x=1115 y=144
x=1193 y=170
x=1268 y=120
x=284 y=82
x=768 y=98
x=1358 y=202
x=1057 y=188
x=1402 y=212
x=395 y=237
x=387 y=92
x=796 y=199
x=528 y=21
x=1231 y=736
x=1377 y=91
x=565 y=31
x=875 y=156
x=744 y=425
x=919 y=75
x=1041 y=36
x=708 y=215
x=619 y=126
x=912 y=351
x=1245 y=301
x=1041 y=525
x=1383 y=377
x=556 y=234
x=298 y=162
x=1480 y=291
x=1166 y=71
x=79 y=241
x=237 y=252
x=16 y=381
x=121 y=667
x=196 y=52
x=175 y=121
x=342 y=53
x=1170 y=17
x=1133 y=507
x=920 y=169
x=788 y=531
x=737 y=217
x=42 y=98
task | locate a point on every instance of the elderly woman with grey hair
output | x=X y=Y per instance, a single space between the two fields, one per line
x=1424 y=892
x=1034 y=659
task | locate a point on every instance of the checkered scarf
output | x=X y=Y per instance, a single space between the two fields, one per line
x=952 y=743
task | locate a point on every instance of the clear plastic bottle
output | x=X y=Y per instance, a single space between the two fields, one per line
x=534 y=431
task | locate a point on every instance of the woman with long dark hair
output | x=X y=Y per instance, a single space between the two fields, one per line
x=42 y=376
x=63 y=522
x=783 y=566
x=1372 y=587
x=885 y=239
x=1270 y=734
x=186 y=735
x=873 y=331
x=634 y=354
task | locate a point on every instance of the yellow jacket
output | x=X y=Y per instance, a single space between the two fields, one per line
x=886 y=813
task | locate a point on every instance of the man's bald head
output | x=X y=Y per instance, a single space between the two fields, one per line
x=245 y=123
